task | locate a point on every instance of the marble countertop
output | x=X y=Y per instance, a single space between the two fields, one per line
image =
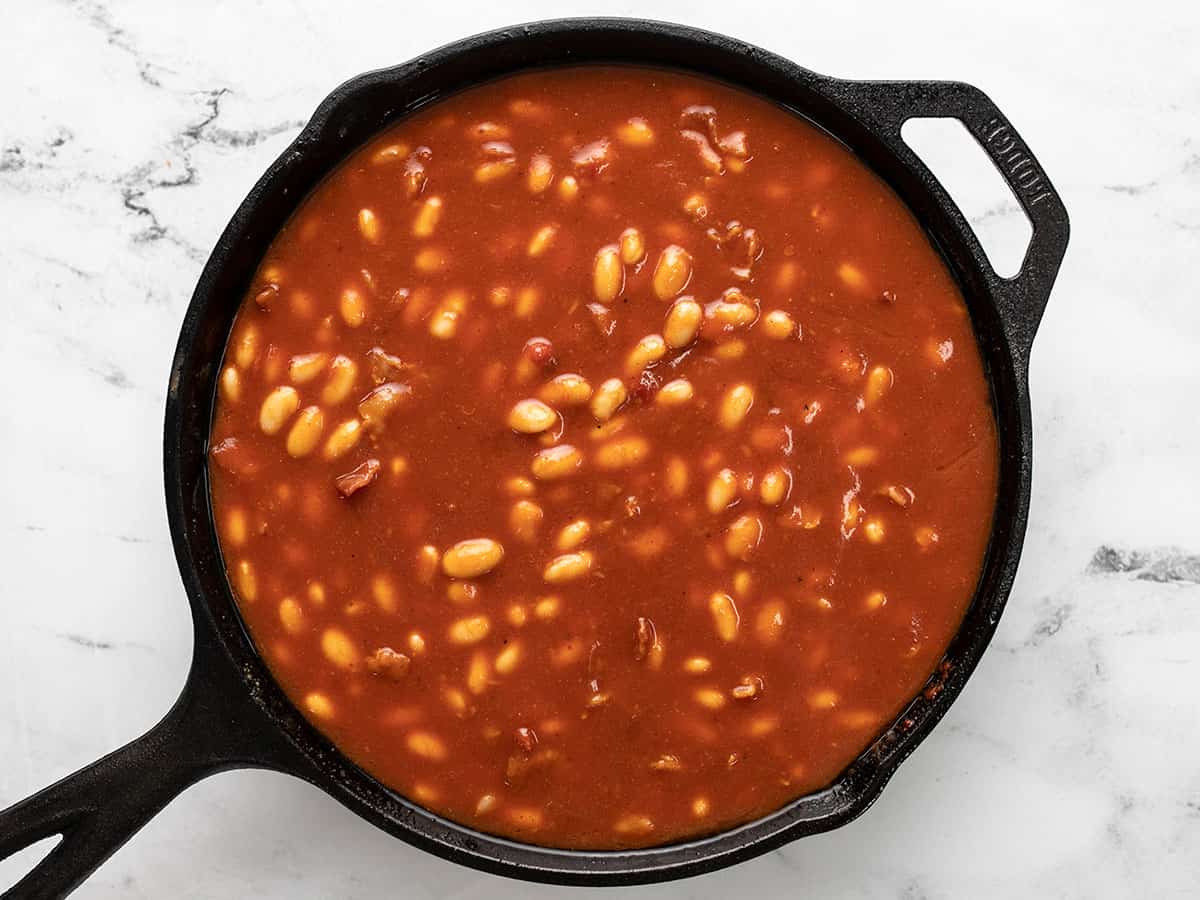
x=130 y=132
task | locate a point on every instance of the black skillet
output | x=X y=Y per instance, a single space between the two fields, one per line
x=232 y=714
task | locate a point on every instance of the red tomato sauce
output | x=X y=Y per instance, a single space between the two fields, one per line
x=603 y=457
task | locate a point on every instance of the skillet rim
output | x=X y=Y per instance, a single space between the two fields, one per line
x=215 y=611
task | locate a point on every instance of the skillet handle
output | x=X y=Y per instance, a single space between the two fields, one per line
x=213 y=726
x=889 y=104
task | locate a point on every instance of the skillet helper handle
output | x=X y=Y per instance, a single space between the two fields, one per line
x=212 y=727
x=1023 y=297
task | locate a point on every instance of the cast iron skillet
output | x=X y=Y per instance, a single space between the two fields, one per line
x=232 y=714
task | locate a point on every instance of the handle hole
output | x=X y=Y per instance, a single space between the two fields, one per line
x=14 y=868
x=967 y=174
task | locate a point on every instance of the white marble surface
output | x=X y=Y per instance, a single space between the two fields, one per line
x=129 y=131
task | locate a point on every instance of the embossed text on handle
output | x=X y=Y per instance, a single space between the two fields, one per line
x=1014 y=158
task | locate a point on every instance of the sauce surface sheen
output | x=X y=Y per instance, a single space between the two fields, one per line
x=603 y=457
